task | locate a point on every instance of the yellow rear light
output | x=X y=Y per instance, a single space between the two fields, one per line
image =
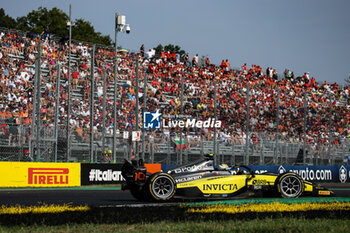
x=324 y=192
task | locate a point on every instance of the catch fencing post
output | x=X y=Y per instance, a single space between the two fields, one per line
x=277 y=130
x=92 y=88
x=143 y=112
x=137 y=106
x=233 y=158
x=305 y=109
x=202 y=146
x=38 y=95
x=152 y=151
x=330 y=157
x=57 y=98
x=181 y=115
x=20 y=140
x=261 y=150
x=33 y=130
x=216 y=155
x=104 y=112
x=69 y=82
x=168 y=149
x=246 y=157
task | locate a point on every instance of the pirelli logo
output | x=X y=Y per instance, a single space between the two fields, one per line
x=54 y=176
x=322 y=192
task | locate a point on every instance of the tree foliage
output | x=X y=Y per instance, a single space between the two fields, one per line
x=171 y=48
x=347 y=81
x=84 y=31
x=55 y=21
x=5 y=20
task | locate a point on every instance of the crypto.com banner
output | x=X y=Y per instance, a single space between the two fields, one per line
x=28 y=174
x=338 y=174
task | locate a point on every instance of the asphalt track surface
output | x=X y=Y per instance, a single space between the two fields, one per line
x=95 y=196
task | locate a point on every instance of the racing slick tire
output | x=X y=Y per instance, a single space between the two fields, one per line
x=290 y=185
x=161 y=186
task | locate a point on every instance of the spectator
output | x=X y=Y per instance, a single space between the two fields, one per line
x=18 y=56
x=142 y=50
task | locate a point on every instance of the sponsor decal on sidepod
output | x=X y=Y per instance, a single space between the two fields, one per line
x=219 y=187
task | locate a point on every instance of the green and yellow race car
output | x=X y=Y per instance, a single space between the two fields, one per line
x=203 y=180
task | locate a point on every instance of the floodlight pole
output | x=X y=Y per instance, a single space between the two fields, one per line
x=119 y=25
x=115 y=90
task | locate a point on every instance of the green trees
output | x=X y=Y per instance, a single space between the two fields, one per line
x=5 y=20
x=347 y=81
x=84 y=31
x=55 y=21
x=171 y=48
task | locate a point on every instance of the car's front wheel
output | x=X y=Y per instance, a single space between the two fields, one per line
x=162 y=186
x=290 y=185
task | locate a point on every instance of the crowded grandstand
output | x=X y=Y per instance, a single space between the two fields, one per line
x=327 y=118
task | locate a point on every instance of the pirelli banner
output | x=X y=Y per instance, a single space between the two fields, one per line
x=29 y=174
x=95 y=174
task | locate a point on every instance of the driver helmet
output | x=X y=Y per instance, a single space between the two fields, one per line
x=240 y=171
x=223 y=167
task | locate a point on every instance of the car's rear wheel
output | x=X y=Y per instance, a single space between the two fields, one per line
x=290 y=185
x=162 y=186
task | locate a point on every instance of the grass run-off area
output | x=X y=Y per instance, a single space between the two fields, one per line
x=265 y=215
x=281 y=224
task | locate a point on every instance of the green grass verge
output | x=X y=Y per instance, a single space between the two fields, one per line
x=127 y=215
x=286 y=224
x=327 y=216
x=273 y=200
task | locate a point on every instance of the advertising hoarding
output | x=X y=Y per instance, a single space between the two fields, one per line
x=338 y=174
x=99 y=174
x=31 y=174
x=318 y=174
